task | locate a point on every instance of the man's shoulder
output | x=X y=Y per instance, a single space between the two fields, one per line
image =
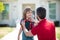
x=51 y=22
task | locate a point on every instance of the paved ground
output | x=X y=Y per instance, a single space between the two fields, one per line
x=13 y=35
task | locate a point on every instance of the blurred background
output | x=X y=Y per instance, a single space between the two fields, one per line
x=11 y=11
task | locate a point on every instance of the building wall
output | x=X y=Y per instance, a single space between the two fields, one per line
x=5 y=21
x=13 y=13
x=15 y=10
x=59 y=11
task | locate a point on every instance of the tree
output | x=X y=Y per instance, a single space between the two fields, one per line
x=1 y=7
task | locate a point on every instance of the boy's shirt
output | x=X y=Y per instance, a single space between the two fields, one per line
x=45 y=30
x=28 y=24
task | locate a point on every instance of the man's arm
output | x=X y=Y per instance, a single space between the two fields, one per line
x=27 y=33
x=53 y=32
x=32 y=32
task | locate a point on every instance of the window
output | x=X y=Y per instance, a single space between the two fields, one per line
x=52 y=10
x=4 y=14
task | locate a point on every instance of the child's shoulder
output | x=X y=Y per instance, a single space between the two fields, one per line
x=21 y=20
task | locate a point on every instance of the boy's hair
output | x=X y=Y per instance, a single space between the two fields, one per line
x=41 y=12
x=25 y=12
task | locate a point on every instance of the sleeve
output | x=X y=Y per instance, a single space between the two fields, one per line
x=34 y=30
x=21 y=21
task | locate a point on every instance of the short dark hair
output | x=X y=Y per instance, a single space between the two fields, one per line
x=41 y=12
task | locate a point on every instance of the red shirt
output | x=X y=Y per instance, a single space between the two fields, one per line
x=45 y=30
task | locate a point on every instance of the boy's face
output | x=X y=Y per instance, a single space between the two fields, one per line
x=29 y=14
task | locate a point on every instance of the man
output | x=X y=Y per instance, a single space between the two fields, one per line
x=45 y=30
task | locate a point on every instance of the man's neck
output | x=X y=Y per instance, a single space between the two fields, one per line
x=40 y=19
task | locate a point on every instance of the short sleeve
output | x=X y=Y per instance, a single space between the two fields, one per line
x=34 y=30
x=21 y=21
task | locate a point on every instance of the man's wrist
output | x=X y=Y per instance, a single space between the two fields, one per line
x=24 y=28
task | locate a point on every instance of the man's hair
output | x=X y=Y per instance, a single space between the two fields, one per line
x=41 y=12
